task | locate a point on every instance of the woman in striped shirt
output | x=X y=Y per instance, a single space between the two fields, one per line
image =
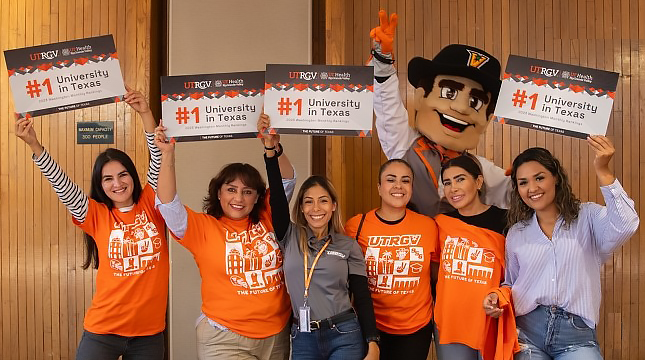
x=554 y=252
x=124 y=239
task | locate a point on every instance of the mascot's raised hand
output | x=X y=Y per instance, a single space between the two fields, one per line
x=382 y=57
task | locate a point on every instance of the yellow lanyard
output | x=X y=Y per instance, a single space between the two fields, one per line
x=309 y=274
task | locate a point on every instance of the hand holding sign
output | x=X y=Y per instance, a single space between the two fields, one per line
x=136 y=100
x=268 y=139
x=162 y=142
x=604 y=150
x=24 y=129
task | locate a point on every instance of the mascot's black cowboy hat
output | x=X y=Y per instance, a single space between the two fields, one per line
x=459 y=60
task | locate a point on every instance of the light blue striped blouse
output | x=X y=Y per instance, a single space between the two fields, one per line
x=566 y=271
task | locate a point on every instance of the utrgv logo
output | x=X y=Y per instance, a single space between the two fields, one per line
x=308 y=75
x=544 y=71
x=49 y=55
x=197 y=84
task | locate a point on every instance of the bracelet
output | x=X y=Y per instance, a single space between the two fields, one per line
x=382 y=58
x=269 y=148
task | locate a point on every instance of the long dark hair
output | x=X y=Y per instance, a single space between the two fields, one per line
x=566 y=202
x=229 y=173
x=98 y=194
x=335 y=223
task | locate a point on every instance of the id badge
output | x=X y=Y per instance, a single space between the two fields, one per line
x=305 y=324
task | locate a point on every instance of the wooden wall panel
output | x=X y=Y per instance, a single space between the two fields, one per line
x=318 y=143
x=44 y=293
x=604 y=34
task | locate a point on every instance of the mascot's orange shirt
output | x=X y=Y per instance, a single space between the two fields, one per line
x=398 y=258
x=471 y=266
x=132 y=279
x=241 y=267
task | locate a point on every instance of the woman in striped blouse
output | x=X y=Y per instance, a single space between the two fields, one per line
x=124 y=239
x=555 y=248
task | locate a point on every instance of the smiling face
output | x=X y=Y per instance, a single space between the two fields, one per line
x=237 y=199
x=117 y=183
x=460 y=188
x=536 y=186
x=454 y=113
x=318 y=208
x=395 y=186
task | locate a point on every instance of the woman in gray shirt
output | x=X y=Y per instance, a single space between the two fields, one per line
x=322 y=267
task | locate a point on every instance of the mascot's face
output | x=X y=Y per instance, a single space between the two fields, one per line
x=454 y=113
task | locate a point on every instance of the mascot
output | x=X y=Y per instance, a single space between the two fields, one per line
x=454 y=98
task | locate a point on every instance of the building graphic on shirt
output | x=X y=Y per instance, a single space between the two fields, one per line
x=234 y=262
x=134 y=247
x=253 y=258
x=394 y=262
x=462 y=257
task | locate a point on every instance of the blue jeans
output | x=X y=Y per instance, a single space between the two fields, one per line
x=454 y=350
x=110 y=347
x=344 y=341
x=549 y=332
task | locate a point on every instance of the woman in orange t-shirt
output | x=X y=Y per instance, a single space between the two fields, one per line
x=245 y=305
x=398 y=245
x=471 y=241
x=124 y=240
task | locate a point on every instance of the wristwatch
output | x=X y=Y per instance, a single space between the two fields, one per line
x=279 y=151
x=376 y=339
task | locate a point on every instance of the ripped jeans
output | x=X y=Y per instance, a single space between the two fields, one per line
x=549 y=332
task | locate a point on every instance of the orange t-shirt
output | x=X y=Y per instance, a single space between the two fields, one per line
x=398 y=268
x=471 y=266
x=132 y=278
x=241 y=267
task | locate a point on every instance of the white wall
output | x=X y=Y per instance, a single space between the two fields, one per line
x=212 y=36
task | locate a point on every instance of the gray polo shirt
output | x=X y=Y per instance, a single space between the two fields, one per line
x=329 y=289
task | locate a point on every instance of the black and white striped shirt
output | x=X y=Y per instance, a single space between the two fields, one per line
x=71 y=195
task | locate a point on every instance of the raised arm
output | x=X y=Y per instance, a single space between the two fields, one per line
x=616 y=222
x=394 y=133
x=170 y=207
x=138 y=102
x=68 y=192
x=277 y=196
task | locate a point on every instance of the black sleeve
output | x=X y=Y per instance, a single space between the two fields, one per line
x=363 y=305
x=277 y=198
x=434 y=277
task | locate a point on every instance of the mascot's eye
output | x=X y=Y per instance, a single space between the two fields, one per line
x=476 y=103
x=449 y=93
